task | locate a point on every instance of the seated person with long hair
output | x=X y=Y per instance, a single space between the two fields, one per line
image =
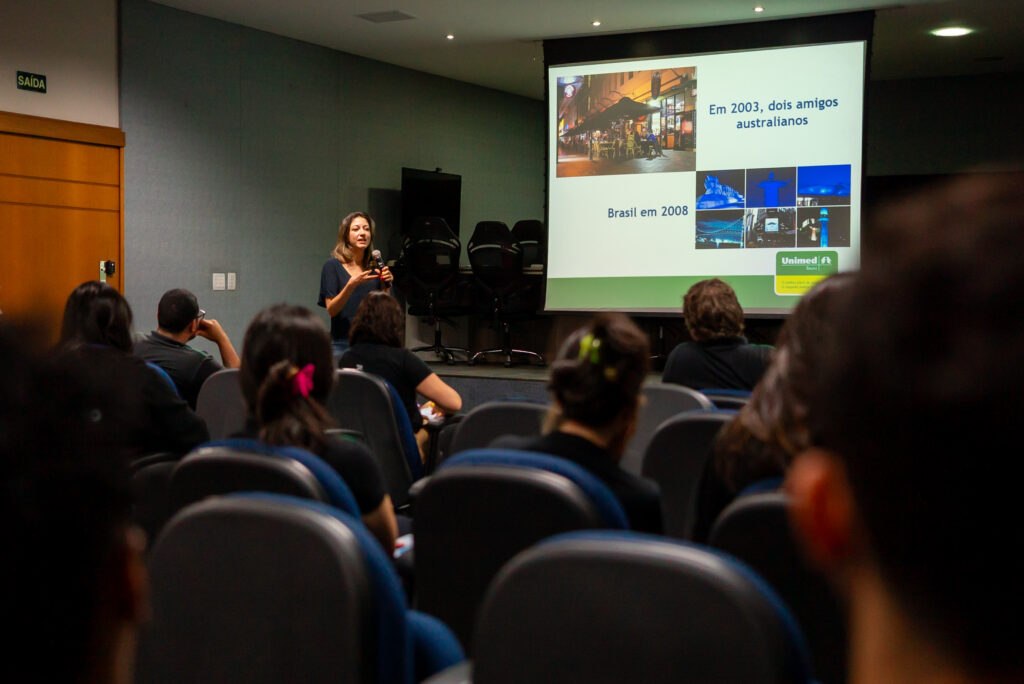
x=376 y=339
x=595 y=388
x=771 y=429
x=73 y=574
x=719 y=356
x=96 y=334
x=286 y=374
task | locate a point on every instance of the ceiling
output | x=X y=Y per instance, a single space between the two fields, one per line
x=498 y=43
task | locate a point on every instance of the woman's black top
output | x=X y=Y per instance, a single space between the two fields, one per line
x=333 y=278
x=639 y=497
x=399 y=366
x=351 y=460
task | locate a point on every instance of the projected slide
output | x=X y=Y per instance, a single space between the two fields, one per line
x=740 y=165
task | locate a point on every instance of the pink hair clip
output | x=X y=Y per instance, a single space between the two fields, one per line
x=302 y=381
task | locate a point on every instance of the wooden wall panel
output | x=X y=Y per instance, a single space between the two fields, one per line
x=22 y=190
x=61 y=213
x=48 y=252
x=41 y=158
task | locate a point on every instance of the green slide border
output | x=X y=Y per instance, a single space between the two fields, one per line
x=649 y=293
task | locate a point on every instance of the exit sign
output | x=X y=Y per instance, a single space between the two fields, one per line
x=33 y=82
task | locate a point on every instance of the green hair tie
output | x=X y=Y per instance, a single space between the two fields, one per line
x=590 y=346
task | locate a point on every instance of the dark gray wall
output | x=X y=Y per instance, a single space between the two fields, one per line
x=244 y=149
x=945 y=125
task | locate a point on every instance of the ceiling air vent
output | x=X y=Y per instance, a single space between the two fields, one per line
x=385 y=17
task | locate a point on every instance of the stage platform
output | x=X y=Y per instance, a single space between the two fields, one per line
x=485 y=382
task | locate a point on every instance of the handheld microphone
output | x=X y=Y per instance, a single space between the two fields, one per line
x=379 y=260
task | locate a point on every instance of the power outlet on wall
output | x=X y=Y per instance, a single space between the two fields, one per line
x=218 y=281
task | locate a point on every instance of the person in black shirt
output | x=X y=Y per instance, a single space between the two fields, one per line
x=287 y=372
x=349 y=275
x=96 y=335
x=719 y=356
x=179 y=319
x=376 y=338
x=595 y=387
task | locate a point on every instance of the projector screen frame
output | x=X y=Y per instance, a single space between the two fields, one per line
x=720 y=38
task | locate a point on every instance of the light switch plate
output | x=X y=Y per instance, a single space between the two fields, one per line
x=218 y=281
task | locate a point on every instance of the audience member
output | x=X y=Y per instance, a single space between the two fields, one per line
x=376 y=338
x=96 y=335
x=595 y=387
x=74 y=582
x=760 y=443
x=906 y=496
x=719 y=356
x=179 y=319
x=287 y=373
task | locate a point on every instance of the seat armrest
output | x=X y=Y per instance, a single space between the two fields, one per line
x=456 y=674
x=416 y=487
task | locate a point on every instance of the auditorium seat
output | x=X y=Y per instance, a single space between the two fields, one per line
x=675 y=459
x=151 y=476
x=482 y=507
x=755 y=528
x=369 y=405
x=240 y=465
x=496 y=418
x=264 y=588
x=612 y=607
x=221 y=405
x=661 y=402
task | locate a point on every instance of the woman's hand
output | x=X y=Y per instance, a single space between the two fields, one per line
x=386 y=276
x=363 y=277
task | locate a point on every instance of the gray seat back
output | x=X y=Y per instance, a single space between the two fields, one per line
x=361 y=402
x=661 y=402
x=470 y=520
x=221 y=405
x=756 y=530
x=496 y=418
x=248 y=591
x=609 y=608
x=676 y=459
x=209 y=471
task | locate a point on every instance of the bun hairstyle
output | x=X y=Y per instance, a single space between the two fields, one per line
x=287 y=372
x=599 y=370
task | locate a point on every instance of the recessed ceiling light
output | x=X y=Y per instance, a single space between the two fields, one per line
x=450 y=36
x=952 y=31
x=596 y=22
x=758 y=8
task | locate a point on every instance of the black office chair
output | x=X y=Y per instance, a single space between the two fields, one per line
x=497 y=263
x=756 y=530
x=430 y=279
x=532 y=238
